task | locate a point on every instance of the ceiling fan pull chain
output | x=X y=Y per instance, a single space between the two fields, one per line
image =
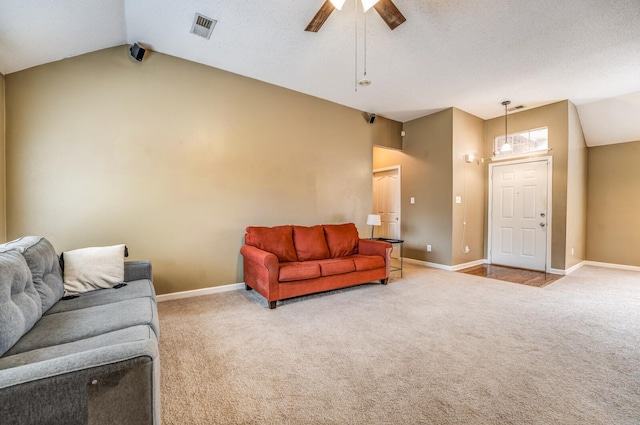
x=356 y=46
x=365 y=44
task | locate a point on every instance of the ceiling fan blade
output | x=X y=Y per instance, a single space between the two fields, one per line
x=320 y=17
x=389 y=13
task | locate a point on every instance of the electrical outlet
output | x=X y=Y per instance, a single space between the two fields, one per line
x=573 y=251
x=428 y=248
x=466 y=249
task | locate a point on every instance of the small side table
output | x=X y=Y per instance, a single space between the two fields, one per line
x=394 y=242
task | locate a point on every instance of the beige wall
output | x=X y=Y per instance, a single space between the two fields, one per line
x=613 y=234
x=427 y=176
x=469 y=180
x=576 y=192
x=555 y=116
x=175 y=159
x=3 y=208
x=387 y=133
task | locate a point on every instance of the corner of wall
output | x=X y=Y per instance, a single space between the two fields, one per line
x=386 y=133
x=468 y=222
x=576 y=190
x=3 y=162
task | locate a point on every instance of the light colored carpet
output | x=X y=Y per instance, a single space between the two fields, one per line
x=435 y=347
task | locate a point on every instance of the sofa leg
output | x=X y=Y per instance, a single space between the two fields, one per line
x=272 y=304
x=247 y=287
x=384 y=281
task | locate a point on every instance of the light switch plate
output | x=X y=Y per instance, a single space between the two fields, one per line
x=458 y=199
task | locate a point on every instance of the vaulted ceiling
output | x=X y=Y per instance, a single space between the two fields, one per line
x=471 y=54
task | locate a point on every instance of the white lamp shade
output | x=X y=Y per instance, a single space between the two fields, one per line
x=368 y=4
x=373 y=220
x=337 y=4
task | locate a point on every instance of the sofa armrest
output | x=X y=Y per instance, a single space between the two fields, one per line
x=261 y=269
x=137 y=270
x=369 y=247
x=383 y=249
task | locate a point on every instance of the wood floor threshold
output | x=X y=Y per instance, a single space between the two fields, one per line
x=513 y=275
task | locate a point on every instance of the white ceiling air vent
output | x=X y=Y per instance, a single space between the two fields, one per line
x=203 y=26
x=517 y=108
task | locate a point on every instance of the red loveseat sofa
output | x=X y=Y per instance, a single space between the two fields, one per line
x=289 y=261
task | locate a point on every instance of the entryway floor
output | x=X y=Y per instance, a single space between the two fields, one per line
x=510 y=274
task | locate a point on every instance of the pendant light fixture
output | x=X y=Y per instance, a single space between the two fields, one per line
x=506 y=147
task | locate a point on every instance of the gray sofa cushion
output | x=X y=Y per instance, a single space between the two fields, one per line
x=135 y=289
x=109 y=347
x=70 y=326
x=20 y=305
x=45 y=267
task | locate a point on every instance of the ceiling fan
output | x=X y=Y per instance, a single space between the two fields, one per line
x=385 y=8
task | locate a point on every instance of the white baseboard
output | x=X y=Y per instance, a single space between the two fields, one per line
x=569 y=270
x=445 y=267
x=199 y=292
x=595 y=264
x=426 y=264
x=236 y=286
x=611 y=266
x=467 y=265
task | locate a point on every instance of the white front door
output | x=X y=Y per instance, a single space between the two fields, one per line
x=519 y=214
x=386 y=202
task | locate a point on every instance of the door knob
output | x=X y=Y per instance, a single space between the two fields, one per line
x=542 y=224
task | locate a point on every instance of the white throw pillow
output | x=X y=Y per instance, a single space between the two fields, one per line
x=88 y=269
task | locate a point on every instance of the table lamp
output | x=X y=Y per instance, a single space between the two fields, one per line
x=373 y=220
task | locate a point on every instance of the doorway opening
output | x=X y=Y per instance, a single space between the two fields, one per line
x=386 y=201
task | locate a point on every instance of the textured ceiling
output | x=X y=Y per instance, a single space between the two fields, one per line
x=471 y=54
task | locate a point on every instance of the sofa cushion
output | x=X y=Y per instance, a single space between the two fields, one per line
x=45 y=268
x=109 y=347
x=89 y=269
x=367 y=262
x=136 y=289
x=342 y=239
x=336 y=266
x=310 y=243
x=74 y=325
x=298 y=271
x=20 y=305
x=277 y=240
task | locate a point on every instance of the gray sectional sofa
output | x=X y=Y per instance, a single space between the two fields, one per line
x=92 y=359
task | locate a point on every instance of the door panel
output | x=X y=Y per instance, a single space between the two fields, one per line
x=386 y=203
x=518 y=215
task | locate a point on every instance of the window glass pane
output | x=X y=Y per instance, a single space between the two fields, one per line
x=523 y=142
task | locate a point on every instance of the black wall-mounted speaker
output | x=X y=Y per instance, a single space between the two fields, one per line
x=372 y=118
x=137 y=52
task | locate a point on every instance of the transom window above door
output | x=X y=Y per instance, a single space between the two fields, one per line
x=522 y=143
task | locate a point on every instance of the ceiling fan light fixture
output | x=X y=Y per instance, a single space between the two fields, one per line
x=337 y=4
x=368 y=4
